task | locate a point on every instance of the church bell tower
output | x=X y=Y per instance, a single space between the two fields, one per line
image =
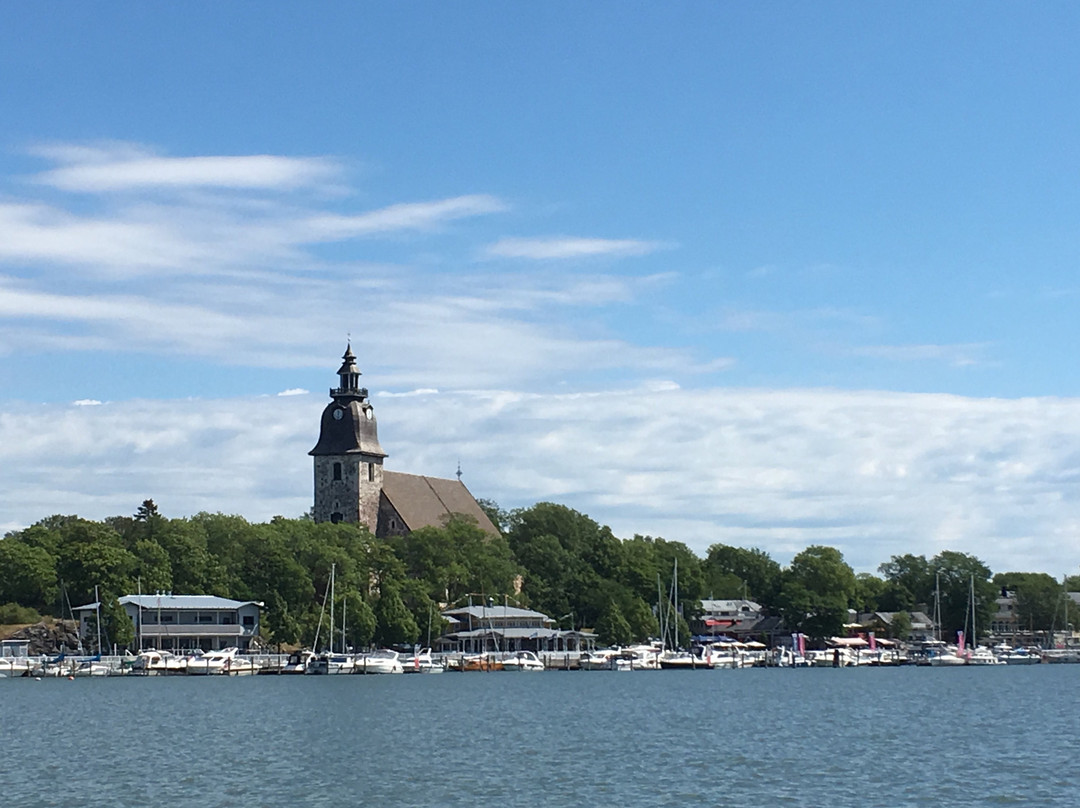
x=348 y=458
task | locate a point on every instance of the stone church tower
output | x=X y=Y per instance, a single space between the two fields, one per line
x=348 y=458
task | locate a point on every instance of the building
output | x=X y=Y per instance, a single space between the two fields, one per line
x=351 y=484
x=726 y=617
x=488 y=629
x=184 y=622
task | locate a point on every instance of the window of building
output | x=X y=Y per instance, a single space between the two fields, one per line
x=371 y=472
x=336 y=517
x=249 y=620
x=337 y=471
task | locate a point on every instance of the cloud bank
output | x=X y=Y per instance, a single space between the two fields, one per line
x=872 y=473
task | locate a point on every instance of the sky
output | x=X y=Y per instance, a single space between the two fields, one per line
x=770 y=275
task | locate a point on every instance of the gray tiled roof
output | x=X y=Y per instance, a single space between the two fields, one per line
x=497 y=612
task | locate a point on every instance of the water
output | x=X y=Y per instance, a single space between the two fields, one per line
x=853 y=737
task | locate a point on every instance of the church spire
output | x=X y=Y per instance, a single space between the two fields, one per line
x=349 y=376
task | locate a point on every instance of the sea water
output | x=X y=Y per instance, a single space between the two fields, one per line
x=760 y=737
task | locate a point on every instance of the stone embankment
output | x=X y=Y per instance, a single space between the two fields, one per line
x=49 y=638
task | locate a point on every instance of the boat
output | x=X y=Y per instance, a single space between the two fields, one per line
x=153 y=662
x=983 y=656
x=382 y=661
x=212 y=663
x=297 y=662
x=329 y=664
x=600 y=660
x=423 y=662
x=638 y=658
x=480 y=662
x=1020 y=656
x=15 y=666
x=90 y=667
x=523 y=661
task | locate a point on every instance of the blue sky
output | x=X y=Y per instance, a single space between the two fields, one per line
x=786 y=274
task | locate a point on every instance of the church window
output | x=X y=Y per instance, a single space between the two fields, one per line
x=371 y=472
x=337 y=471
x=336 y=517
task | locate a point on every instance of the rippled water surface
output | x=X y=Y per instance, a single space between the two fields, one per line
x=870 y=737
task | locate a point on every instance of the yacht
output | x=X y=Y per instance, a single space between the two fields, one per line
x=152 y=662
x=331 y=664
x=382 y=661
x=523 y=661
x=212 y=663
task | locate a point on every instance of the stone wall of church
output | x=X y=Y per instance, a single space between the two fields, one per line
x=348 y=489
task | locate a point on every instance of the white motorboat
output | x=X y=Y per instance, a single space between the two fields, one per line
x=601 y=660
x=158 y=663
x=297 y=662
x=90 y=667
x=382 y=661
x=523 y=661
x=637 y=658
x=1021 y=656
x=982 y=656
x=331 y=665
x=15 y=666
x=212 y=663
x=423 y=662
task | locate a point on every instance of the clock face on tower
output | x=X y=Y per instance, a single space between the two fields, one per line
x=367 y=413
x=339 y=414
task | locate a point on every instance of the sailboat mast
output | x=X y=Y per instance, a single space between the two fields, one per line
x=333 y=567
x=97 y=604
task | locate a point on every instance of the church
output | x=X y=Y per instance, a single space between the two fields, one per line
x=351 y=484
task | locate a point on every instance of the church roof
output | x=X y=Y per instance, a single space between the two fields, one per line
x=427 y=501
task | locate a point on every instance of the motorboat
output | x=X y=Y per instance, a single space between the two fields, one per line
x=15 y=666
x=637 y=658
x=523 y=661
x=1020 y=656
x=331 y=664
x=423 y=662
x=152 y=662
x=297 y=662
x=982 y=656
x=681 y=661
x=601 y=660
x=90 y=667
x=212 y=663
x=382 y=661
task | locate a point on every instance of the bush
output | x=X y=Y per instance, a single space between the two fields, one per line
x=13 y=614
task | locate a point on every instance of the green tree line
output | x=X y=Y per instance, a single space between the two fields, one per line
x=548 y=557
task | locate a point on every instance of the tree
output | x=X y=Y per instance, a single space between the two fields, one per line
x=900 y=628
x=816 y=591
x=957 y=574
x=394 y=625
x=868 y=591
x=1040 y=600
x=27 y=575
x=737 y=572
x=910 y=582
x=612 y=628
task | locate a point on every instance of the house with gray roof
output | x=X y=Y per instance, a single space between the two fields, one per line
x=184 y=622
x=351 y=484
x=488 y=629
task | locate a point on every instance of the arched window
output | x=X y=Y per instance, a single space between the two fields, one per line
x=337 y=471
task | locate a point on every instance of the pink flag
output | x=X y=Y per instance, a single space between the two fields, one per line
x=960 y=642
x=873 y=642
x=802 y=645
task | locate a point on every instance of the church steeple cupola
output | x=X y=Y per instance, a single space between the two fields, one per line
x=349 y=376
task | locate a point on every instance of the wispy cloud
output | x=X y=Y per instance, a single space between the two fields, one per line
x=124 y=167
x=556 y=248
x=956 y=355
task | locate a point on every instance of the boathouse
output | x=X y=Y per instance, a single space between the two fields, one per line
x=502 y=629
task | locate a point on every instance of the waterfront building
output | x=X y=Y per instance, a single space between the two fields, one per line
x=351 y=484
x=726 y=617
x=169 y=622
x=494 y=629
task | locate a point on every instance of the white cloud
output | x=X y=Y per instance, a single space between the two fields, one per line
x=86 y=402
x=555 y=248
x=955 y=355
x=294 y=391
x=875 y=474
x=124 y=167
